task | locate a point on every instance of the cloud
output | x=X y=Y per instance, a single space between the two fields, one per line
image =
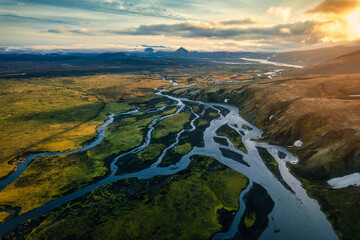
x=335 y=6
x=12 y=18
x=58 y=31
x=82 y=31
x=70 y=48
x=341 y=20
x=298 y=31
x=281 y=12
x=285 y=30
x=152 y=46
x=293 y=32
x=245 y=21
x=122 y=7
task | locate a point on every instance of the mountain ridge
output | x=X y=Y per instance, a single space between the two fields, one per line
x=345 y=64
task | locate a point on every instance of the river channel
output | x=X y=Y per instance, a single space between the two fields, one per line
x=297 y=215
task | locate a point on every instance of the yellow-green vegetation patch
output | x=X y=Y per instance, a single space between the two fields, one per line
x=185 y=206
x=202 y=122
x=171 y=125
x=321 y=129
x=6 y=168
x=250 y=220
x=233 y=136
x=143 y=99
x=171 y=111
x=195 y=108
x=137 y=113
x=213 y=114
x=115 y=108
x=34 y=109
x=70 y=140
x=179 y=91
x=48 y=178
x=3 y=216
x=161 y=104
x=270 y=162
x=262 y=139
x=183 y=149
x=164 y=103
x=244 y=126
x=151 y=152
x=73 y=139
x=120 y=137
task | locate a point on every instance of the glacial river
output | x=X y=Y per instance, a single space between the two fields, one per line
x=298 y=216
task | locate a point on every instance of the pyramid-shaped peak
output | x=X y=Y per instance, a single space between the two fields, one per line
x=181 y=52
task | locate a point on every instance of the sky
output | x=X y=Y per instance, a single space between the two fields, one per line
x=197 y=25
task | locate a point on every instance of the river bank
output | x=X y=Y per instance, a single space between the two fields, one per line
x=318 y=113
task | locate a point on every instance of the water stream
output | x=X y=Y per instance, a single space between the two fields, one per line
x=297 y=215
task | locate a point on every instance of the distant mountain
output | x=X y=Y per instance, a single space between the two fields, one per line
x=313 y=56
x=181 y=52
x=227 y=55
x=38 y=57
x=111 y=55
x=345 y=64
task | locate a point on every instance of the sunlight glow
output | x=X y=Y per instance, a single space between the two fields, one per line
x=338 y=28
x=353 y=19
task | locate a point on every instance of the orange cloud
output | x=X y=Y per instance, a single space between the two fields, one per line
x=285 y=30
x=335 y=6
x=340 y=20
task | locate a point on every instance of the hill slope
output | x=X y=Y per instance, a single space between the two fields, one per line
x=346 y=64
x=313 y=56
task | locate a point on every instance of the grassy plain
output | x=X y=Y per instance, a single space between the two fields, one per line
x=171 y=124
x=183 y=148
x=47 y=178
x=61 y=113
x=184 y=206
x=75 y=107
x=151 y=152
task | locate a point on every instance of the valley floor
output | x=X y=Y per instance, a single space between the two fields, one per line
x=320 y=113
